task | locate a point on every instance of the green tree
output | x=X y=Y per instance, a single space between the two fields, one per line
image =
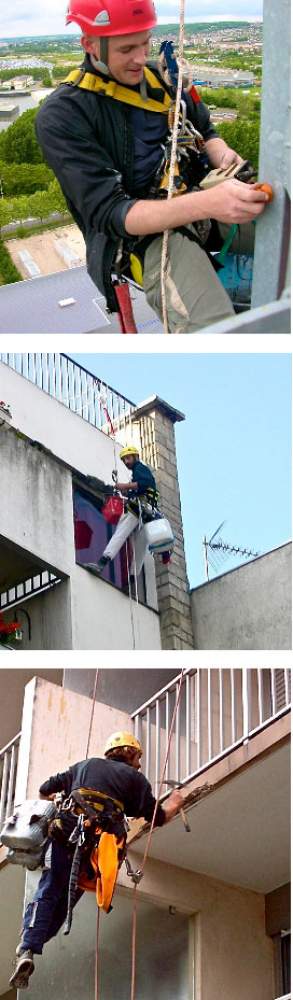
x=242 y=136
x=8 y=271
x=24 y=178
x=18 y=143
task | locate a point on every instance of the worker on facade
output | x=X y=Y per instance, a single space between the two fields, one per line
x=142 y=498
x=104 y=135
x=116 y=778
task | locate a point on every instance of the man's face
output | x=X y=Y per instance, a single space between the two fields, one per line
x=130 y=460
x=128 y=55
x=136 y=761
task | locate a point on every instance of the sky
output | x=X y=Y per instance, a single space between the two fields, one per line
x=39 y=18
x=233 y=449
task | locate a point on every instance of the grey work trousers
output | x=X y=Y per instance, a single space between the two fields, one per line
x=195 y=296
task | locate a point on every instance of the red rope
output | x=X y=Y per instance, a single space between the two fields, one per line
x=92 y=714
x=148 y=843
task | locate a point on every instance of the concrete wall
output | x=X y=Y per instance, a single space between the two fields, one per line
x=229 y=953
x=248 y=608
x=64 y=433
x=55 y=728
x=36 y=503
x=12 y=685
x=232 y=955
x=12 y=886
x=104 y=618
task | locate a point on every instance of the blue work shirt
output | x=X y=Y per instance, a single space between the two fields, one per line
x=150 y=131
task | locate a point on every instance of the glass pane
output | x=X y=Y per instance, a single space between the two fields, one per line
x=92 y=533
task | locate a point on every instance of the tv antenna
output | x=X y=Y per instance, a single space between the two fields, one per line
x=216 y=551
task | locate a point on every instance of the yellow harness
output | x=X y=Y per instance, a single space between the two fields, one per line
x=89 y=81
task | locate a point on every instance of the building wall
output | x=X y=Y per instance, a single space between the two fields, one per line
x=85 y=612
x=67 y=435
x=36 y=503
x=105 y=618
x=55 y=729
x=248 y=608
x=229 y=953
x=233 y=956
x=12 y=685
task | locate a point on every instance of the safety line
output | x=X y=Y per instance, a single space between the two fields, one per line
x=92 y=713
x=164 y=258
x=148 y=843
x=97 y=956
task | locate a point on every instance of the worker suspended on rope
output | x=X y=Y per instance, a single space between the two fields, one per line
x=112 y=788
x=106 y=132
x=140 y=506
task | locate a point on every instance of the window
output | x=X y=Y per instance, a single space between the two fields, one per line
x=92 y=533
x=286 y=962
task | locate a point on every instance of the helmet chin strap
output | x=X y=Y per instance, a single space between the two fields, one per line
x=102 y=63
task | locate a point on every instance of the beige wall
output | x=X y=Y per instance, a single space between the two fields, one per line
x=233 y=956
x=12 y=685
x=55 y=730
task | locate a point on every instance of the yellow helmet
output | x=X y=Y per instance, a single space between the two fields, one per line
x=129 y=450
x=122 y=739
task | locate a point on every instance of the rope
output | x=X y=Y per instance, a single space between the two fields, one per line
x=92 y=713
x=148 y=843
x=164 y=258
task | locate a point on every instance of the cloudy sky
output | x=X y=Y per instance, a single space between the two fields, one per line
x=40 y=18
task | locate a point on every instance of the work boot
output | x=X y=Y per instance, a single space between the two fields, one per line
x=23 y=969
x=98 y=567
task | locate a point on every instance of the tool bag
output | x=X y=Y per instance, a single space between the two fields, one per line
x=112 y=509
x=25 y=833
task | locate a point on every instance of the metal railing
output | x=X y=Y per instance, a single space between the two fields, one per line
x=28 y=588
x=287 y=997
x=74 y=386
x=219 y=710
x=8 y=769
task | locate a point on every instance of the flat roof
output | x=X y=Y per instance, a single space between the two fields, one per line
x=33 y=306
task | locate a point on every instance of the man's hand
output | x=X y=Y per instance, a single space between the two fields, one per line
x=173 y=804
x=221 y=155
x=230 y=157
x=232 y=201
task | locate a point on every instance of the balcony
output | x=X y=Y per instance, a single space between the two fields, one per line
x=74 y=386
x=219 y=711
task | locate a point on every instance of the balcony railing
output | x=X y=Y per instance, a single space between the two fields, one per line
x=28 y=588
x=219 y=710
x=287 y=997
x=8 y=769
x=74 y=386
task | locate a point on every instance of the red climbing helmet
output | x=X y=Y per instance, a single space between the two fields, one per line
x=112 y=17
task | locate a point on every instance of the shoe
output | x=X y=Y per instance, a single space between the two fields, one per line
x=98 y=567
x=23 y=970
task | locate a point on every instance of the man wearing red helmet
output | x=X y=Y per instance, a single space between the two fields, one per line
x=103 y=132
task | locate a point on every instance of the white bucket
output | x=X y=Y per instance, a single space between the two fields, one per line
x=27 y=828
x=159 y=535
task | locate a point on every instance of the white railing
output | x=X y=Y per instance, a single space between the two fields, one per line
x=74 y=386
x=287 y=997
x=219 y=710
x=8 y=768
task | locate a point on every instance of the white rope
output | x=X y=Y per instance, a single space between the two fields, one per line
x=164 y=258
x=130 y=597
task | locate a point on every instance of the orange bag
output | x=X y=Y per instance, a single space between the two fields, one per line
x=112 y=509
